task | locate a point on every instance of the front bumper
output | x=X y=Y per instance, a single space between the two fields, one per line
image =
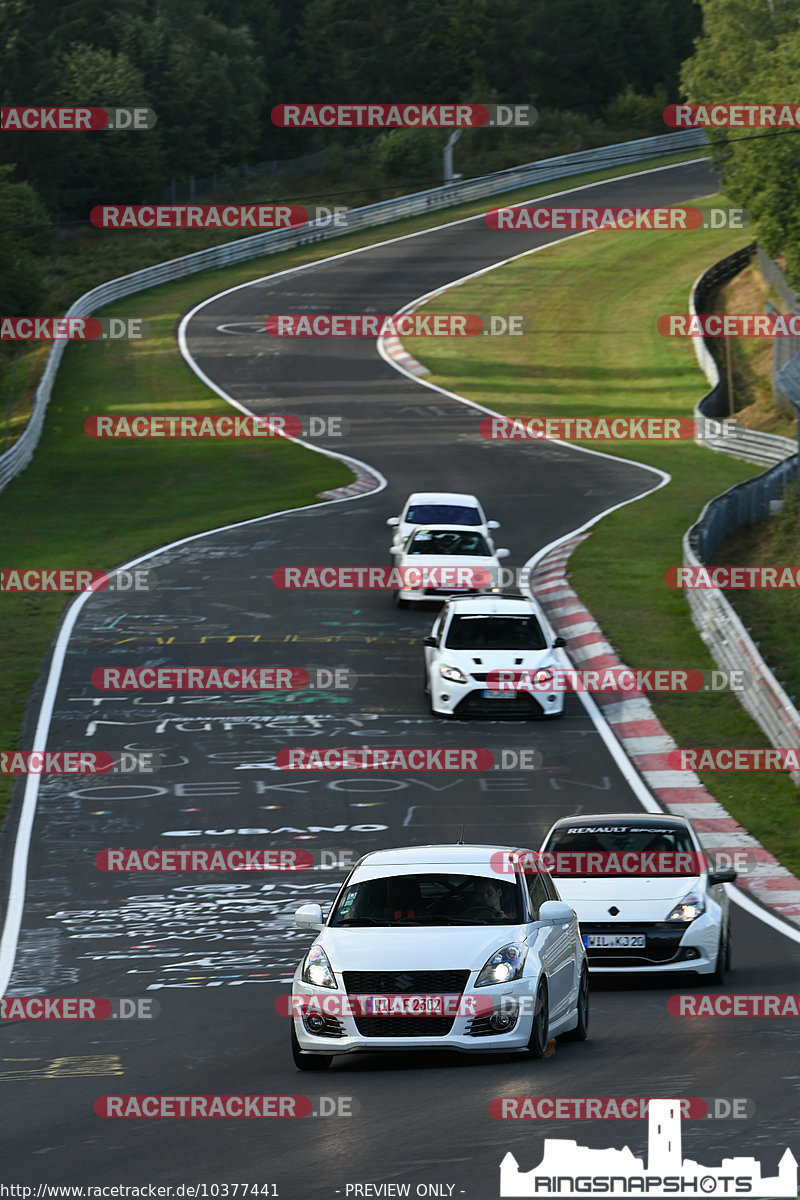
x=347 y=1034
x=467 y=699
x=667 y=949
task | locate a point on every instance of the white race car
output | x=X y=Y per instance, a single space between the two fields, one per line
x=442 y=560
x=439 y=508
x=439 y=948
x=474 y=638
x=644 y=893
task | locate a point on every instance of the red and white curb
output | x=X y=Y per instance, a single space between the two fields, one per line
x=363 y=482
x=398 y=353
x=647 y=743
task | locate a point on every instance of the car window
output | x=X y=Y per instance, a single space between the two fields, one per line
x=429 y=898
x=486 y=631
x=569 y=843
x=537 y=892
x=447 y=541
x=442 y=514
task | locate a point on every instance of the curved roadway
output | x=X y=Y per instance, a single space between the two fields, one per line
x=216 y=951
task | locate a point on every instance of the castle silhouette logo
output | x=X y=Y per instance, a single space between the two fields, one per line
x=568 y=1169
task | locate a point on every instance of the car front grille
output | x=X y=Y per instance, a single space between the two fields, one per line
x=409 y=983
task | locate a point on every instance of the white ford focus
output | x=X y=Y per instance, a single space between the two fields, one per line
x=441 y=560
x=439 y=948
x=475 y=642
x=439 y=508
x=644 y=893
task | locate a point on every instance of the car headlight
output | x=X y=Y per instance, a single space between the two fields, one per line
x=688 y=908
x=504 y=965
x=317 y=969
x=452 y=673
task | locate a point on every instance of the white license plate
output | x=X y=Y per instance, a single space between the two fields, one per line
x=615 y=941
x=490 y=695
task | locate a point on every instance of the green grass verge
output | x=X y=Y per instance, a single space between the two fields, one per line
x=594 y=351
x=100 y=503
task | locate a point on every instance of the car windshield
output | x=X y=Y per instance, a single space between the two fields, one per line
x=442 y=514
x=486 y=631
x=447 y=541
x=638 y=850
x=439 y=898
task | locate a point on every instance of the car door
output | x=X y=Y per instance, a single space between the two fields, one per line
x=560 y=950
x=432 y=652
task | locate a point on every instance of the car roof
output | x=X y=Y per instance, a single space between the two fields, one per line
x=443 y=498
x=448 y=526
x=447 y=854
x=624 y=818
x=494 y=605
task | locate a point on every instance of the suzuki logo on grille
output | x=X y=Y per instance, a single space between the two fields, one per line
x=403 y=982
x=613 y=910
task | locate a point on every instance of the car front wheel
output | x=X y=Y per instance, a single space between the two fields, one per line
x=723 y=956
x=581 y=1030
x=537 y=1042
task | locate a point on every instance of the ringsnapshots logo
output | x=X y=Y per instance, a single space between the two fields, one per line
x=570 y=1170
x=404 y=116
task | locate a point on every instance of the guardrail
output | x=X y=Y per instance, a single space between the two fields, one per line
x=716 y=620
x=20 y=454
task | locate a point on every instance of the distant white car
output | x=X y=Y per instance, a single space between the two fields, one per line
x=439 y=508
x=476 y=636
x=442 y=560
x=439 y=948
x=655 y=906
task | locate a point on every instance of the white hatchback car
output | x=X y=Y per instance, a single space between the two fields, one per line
x=439 y=508
x=476 y=636
x=440 y=948
x=644 y=892
x=442 y=560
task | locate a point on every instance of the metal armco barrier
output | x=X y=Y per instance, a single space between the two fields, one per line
x=719 y=626
x=271 y=241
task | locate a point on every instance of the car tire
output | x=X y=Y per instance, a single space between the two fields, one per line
x=540 y=1028
x=308 y=1062
x=581 y=1030
x=723 y=956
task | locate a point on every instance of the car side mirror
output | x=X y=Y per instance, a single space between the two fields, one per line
x=559 y=642
x=503 y=553
x=309 y=916
x=727 y=875
x=430 y=640
x=393 y=521
x=492 y=524
x=555 y=912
